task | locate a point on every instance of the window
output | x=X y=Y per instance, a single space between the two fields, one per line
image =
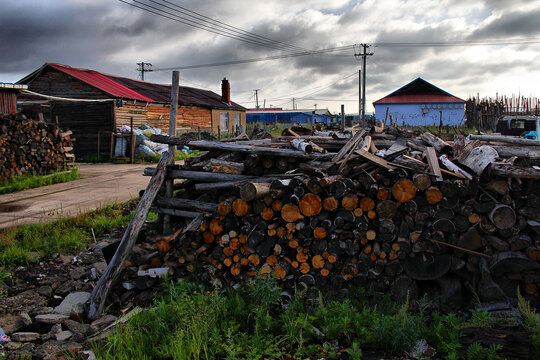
x=224 y=121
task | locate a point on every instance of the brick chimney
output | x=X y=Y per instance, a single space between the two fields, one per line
x=225 y=91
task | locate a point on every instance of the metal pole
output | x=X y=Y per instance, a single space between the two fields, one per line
x=342 y=117
x=132 y=148
x=364 y=85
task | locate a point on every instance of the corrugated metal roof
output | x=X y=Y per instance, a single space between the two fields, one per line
x=102 y=82
x=415 y=99
x=418 y=91
x=141 y=90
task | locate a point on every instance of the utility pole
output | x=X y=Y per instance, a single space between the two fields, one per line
x=293 y=104
x=256 y=98
x=142 y=68
x=364 y=55
x=359 y=93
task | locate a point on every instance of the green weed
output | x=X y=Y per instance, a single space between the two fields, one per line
x=531 y=323
x=31 y=181
x=61 y=235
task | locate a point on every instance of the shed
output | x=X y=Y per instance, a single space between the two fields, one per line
x=89 y=102
x=8 y=97
x=420 y=103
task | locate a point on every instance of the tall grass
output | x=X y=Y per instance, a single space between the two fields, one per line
x=61 y=235
x=30 y=181
x=256 y=322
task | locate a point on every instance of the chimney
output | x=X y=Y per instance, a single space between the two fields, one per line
x=225 y=91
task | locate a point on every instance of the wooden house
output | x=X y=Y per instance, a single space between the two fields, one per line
x=90 y=103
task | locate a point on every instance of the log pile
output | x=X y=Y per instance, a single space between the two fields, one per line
x=397 y=215
x=28 y=146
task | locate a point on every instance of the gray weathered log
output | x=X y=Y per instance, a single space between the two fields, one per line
x=178 y=203
x=99 y=294
x=507 y=170
x=215 y=145
x=201 y=175
x=506 y=139
x=175 y=212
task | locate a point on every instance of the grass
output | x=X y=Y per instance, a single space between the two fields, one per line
x=30 y=181
x=190 y=321
x=18 y=245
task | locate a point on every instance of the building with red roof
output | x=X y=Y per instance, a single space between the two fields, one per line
x=420 y=103
x=91 y=102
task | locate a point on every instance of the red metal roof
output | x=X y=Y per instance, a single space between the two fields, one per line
x=101 y=82
x=401 y=99
x=418 y=91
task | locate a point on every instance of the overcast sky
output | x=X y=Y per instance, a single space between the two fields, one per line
x=112 y=36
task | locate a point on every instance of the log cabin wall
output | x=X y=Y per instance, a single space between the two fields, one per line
x=217 y=119
x=85 y=120
x=157 y=115
x=8 y=102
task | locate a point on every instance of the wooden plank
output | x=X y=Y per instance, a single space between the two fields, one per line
x=351 y=144
x=172 y=148
x=433 y=162
x=100 y=292
x=375 y=159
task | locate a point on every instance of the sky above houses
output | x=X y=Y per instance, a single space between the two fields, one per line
x=467 y=47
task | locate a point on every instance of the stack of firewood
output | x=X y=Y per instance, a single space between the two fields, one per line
x=394 y=221
x=28 y=146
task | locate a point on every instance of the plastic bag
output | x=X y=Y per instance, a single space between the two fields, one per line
x=121 y=147
x=144 y=152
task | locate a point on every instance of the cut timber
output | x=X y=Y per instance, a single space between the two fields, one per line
x=251 y=191
x=404 y=190
x=227 y=167
x=175 y=212
x=375 y=159
x=421 y=268
x=240 y=207
x=317 y=261
x=202 y=176
x=349 y=202
x=367 y=204
x=310 y=205
x=512 y=171
x=433 y=195
x=224 y=208
x=503 y=217
x=302 y=145
x=319 y=233
x=433 y=162
x=115 y=267
x=439 y=144
x=267 y=214
x=330 y=204
x=421 y=181
x=290 y=213
x=387 y=209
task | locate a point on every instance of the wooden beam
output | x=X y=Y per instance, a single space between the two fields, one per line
x=433 y=163
x=109 y=277
x=375 y=159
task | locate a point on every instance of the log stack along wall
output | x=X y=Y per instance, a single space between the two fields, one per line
x=27 y=146
x=343 y=217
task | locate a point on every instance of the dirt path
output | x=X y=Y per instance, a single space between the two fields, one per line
x=100 y=184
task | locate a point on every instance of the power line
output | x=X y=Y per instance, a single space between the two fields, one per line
x=497 y=42
x=275 y=57
x=190 y=22
x=142 y=69
x=253 y=35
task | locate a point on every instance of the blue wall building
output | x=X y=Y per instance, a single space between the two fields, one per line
x=420 y=103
